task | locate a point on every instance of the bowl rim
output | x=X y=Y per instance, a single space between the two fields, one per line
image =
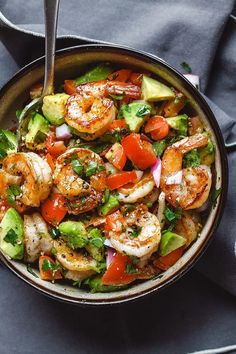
x=152 y=59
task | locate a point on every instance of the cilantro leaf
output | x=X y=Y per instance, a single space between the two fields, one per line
x=12 y=192
x=143 y=111
x=136 y=231
x=91 y=169
x=192 y=159
x=172 y=216
x=77 y=167
x=216 y=193
x=11 y=237
x=49 y=265
x=30 y=270
x=186 y=67
x=130 y=269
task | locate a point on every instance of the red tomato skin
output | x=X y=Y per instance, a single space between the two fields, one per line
x=48 y=274
x=53 y=209
x=116 y=273
x=120 y=179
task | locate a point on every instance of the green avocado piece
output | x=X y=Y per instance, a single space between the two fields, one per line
x=100 y=72
x=110 y=205
x=96 y=286
x=11 y=234
x=179 y=123
x=135 y=114
x=153 y=90
x=73 y=233
x=207 y=153
x=54 y=108
x=170 y=242
x=37 y=131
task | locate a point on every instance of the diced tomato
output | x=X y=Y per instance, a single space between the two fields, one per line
x=116 y=273
x=116 y=156
x=53 y=209
x=55 y=148
x=165 y=262
x=70 y=87
x=140 y=152
x=136 y=78
x=158 y=127
x=48 y=274
x=120 y=75
x=120 y=179
x=118 y=124
x=50 y=161
x=114 y=222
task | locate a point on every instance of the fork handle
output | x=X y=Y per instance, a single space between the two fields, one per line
x=51 y=15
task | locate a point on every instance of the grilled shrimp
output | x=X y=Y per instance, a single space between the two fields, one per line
x=189 y=226
x=105 y=88
x=146 y=238
x=31 y=173
x=90 y=115
x=194 y=189
x=36 y=236
x=78 y=265
x=75 y=186
x=133 y=193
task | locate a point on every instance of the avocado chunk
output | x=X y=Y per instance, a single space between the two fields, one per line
x=99 y=72
x=37 y=131
x=96 y=286
x=135 y=114
x=170 y=242
x=207 y=153
x=179 y=123
x=54 y=108
x=73 y=233
x=8 y=143
x=95 y=247
x=111 y=205
x=11 y=235
x=153 y=90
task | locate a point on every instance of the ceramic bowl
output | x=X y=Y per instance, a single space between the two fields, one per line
x=70 y=63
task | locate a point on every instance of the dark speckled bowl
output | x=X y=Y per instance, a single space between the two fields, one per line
x=69 y=64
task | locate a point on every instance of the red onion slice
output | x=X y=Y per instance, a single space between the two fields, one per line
x=63 y=132
x=175 y=178
x=156 y=171
x=111 y=252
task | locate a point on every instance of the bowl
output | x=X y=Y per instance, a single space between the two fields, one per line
x=70 y=62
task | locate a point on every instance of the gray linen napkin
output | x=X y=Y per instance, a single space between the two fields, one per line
x=201 y=33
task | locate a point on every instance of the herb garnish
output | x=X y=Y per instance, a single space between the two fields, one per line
x=91 y=169
x=186 y=67
x=216 y=193
x=5 y=144
x=30 y=270
x=12 y=192
x=49 y=265
x=143 y=111
x=136 y=231
x=11 y=237
x=77 y=167
x=172 y=216
x=130 y=269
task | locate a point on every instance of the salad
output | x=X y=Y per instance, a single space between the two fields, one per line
x=110 y=182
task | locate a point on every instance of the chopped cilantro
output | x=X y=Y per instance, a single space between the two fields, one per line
x=130 y=269
x=136 y=231
x=216 y=193
x=143 y=111
x=55 y=233
x=5 y=144
x=91 y=169
x=172 y=215
x=77 y=167
x=30 y=270
x=101 y=168
x=12 y=192
x=192 y=159
x=49 y=265
x=83 y=200
x=186 y=67
x=128 y=208
x=11 y=237
x=106 y=196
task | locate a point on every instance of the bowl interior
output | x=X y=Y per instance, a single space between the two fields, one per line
x=69 y=64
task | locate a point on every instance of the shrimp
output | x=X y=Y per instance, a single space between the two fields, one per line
x=133 y=193
x=194 y=189
x=36 y=237
x=31 y=173
x=105 y=88
x=84 y=191
x=79 y=266
x=90 y=115
x=188 y=226
x=141 y=236
x=91 y=111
